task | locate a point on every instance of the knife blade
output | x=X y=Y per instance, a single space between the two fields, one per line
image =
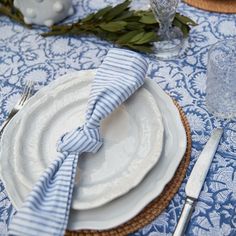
x=197 y=179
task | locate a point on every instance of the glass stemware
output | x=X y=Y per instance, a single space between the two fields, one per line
x=221 y=79
x=171 y=38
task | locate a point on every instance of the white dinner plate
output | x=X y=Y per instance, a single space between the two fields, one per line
x=127 y=206
x=133 y=138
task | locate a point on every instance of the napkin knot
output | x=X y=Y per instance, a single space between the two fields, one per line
x=83 y=139
x=46 y=210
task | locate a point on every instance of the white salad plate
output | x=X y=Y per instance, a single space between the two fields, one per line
x=133 y=140
x=130 y=204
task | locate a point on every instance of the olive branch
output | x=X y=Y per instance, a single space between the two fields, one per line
x=127 y=28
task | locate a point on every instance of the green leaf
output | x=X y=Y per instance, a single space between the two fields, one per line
x=148 y=19
x=125 y=15
x=133 y=18
x=177 y=23
x=113 y=26
x=111 y=36
x=184 y=28
x=137 y=37
x=127 y=37
x=99 y=15
x=88 y=18
x=117 y=10
x=145 y=49
x=146 y=38
x=185 y=20
x=134 y=26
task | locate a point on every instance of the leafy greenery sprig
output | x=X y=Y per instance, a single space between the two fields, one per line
x=120 y=25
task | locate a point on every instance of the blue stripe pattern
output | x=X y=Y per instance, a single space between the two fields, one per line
x=46 y=209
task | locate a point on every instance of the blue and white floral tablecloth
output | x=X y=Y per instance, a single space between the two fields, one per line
x=25 y=55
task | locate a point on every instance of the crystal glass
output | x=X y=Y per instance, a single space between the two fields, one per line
x=221 y=79
x=171 y=38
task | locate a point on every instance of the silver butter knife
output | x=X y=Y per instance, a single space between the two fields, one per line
x=196 y=180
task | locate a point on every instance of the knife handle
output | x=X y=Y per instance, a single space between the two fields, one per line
x=184 y=217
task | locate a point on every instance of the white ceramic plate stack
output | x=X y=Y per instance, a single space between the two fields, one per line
x=144 y=142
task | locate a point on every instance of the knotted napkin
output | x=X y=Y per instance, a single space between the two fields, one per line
x=46 y=209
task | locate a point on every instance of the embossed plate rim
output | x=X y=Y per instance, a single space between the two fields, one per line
x=43 y=96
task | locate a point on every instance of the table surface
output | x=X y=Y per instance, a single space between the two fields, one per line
x=25 y=55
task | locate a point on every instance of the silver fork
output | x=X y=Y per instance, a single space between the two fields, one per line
x=18 y=106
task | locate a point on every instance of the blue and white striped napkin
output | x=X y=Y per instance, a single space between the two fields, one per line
x=46 y=209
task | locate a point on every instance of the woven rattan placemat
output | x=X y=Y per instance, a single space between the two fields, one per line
x=153 y=209
x=222 y=6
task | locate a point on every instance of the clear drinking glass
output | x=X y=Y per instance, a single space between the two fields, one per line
x=171 y=38
x=221 y=79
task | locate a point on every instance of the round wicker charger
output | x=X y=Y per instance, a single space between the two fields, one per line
x=222 y=6
x=153 y=209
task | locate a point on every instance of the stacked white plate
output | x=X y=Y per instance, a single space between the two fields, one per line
x=144 y=142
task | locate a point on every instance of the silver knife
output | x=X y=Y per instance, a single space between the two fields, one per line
x=196 y=180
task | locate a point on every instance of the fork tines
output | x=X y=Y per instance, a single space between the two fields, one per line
x=27 y=91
